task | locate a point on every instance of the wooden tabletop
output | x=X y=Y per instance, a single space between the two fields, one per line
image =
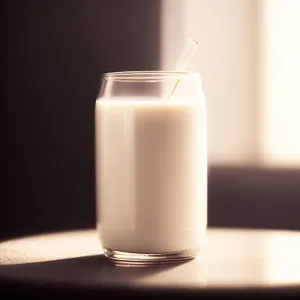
x=232 y=261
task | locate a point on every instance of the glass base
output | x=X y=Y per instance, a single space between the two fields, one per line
x=130 y=258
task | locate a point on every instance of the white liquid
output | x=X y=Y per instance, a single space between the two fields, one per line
x=151 y=168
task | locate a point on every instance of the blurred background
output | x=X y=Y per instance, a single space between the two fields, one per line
x=53 y=54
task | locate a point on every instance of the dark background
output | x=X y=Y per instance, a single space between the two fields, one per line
x=53 y=54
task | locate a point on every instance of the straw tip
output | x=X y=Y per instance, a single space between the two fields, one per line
x=194 y=41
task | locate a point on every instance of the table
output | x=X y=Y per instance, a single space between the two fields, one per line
x=234 y=262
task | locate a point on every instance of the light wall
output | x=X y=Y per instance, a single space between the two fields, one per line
x=279 y=70
x=225 y=59
x=249 y=61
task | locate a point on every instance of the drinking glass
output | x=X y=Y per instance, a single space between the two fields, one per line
x=151 y=166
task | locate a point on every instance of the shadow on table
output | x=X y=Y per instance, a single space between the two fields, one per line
x=86 y=277
x=89 y=270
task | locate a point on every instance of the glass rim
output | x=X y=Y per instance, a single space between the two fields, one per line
x=146 y=75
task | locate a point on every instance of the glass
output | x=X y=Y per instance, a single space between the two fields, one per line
x=151 y=166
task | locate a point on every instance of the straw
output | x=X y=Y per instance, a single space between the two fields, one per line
x=182 y=63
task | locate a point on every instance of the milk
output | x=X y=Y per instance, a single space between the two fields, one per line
x=151 y=169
